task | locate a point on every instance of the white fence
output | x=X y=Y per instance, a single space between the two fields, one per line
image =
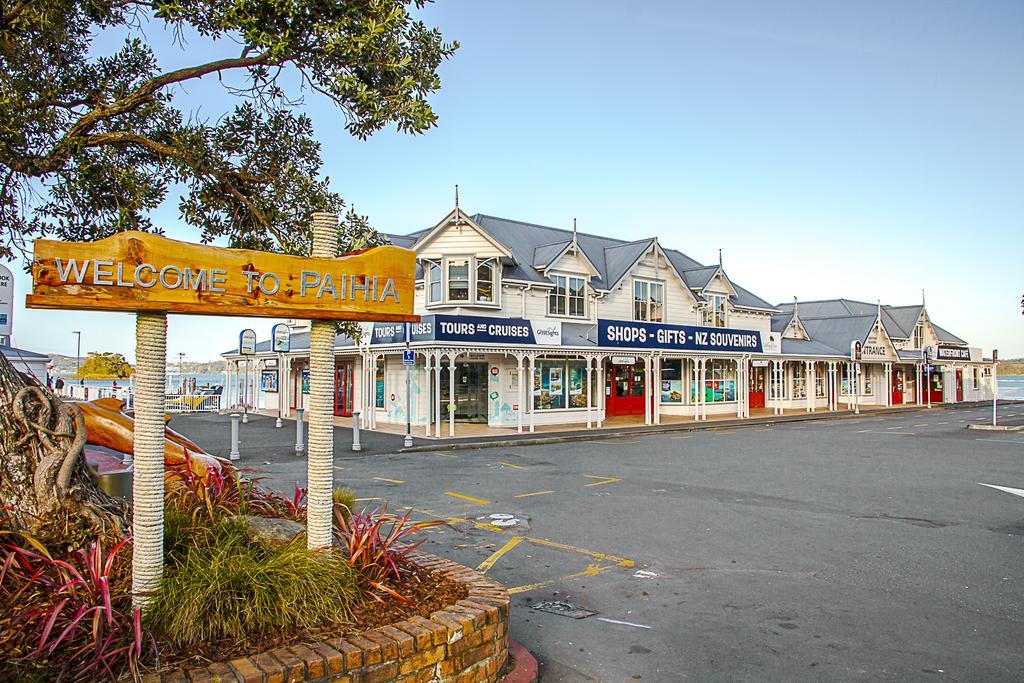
x=191 y=403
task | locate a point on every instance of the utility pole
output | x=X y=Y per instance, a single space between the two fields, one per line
x=78 y=357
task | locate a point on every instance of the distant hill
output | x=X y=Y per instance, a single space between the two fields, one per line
x=65 y=365
x=1011 y=366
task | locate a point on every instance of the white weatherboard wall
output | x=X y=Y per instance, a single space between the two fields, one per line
x=679 y=309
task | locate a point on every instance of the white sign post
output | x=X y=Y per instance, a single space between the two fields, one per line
x=995 y=384
x=6 y=305
x=247 y=348
x=282 y=336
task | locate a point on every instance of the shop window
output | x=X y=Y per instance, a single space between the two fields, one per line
x=844 y=378
x=672 y=380
x=560 y=383
x=648 y=301
x=433 y=282
x=720 y=381
x=379 y=383
x=799 y=381
x=485 y=281
x=868 y=381
x=714 y=312
x=568 y=297
x=777 y=389
x=819 y=381
x=977 y=379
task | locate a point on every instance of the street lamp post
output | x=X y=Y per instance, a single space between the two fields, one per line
x=78 y=357
x=181 y=370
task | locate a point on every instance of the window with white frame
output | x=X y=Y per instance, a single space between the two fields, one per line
x=819 y=380
x=462 y=280
x=648 y=301
x=919 y=335
x=868 y=380
x=714 y=312
x=568 y=296
x=799 y=381
x=433 y=277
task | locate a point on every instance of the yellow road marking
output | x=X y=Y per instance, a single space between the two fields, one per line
x=390 y=481
x=444 y=455
x=508 y=464
x=591 y=570
x=471 y=499
x=496 y=555
x=923 y=424
x=535 y=493
x=604 y=480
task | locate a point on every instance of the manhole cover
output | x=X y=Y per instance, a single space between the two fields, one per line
x=504 y=520
x=562 y=608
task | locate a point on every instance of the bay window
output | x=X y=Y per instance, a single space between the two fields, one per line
x=568 y=296
x=560 y=383
x=648 y=301
x=461 y=280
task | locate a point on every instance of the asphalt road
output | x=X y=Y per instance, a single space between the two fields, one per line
x=834 y=550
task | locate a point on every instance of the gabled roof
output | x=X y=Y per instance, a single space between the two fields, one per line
x=15 y=353
x=698 y=278
x=840 y=331
x=533 y=246
x=947 y=336
x=805 y=347
x=906 y=317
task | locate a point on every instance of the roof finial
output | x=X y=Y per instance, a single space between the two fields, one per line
x=879 y=309
x=573 y=233
x=458 y=222
x=922 y=297
x=796 y=308
x=719 y=258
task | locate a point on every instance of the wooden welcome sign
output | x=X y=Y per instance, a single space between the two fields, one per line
x=138 y=271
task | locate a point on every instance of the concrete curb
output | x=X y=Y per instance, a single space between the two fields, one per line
x=998 y=428
x=647 y=430
x=525 y=669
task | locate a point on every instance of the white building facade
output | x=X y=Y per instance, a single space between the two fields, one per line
x=525 y=325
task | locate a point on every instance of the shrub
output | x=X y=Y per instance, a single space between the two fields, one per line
x=70 y=619
x=344 y=501
x=227 y=587
x=373 y=543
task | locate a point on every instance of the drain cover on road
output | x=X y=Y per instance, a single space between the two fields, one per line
x=562 y=608
x=502 y=520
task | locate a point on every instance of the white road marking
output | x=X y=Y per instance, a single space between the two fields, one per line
x=624 y=623
x=1005 y=489
x=887 y=433
x=1020 y=441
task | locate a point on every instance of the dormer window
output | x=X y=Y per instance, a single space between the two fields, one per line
x=461 y=280
x=568 y=296
x=648 y=301
x=919 y=335
x=714 y=312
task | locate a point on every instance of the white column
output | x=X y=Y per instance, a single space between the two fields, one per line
x=451 y=394
x=702 y=389
x=438 y=369
x=740 y=388
x=590 y=394
x=656 y=386
x=647 y=389
x=694 y=379
x=529 y=389
x=521 y=394
x=599 y=388
x=426 y=392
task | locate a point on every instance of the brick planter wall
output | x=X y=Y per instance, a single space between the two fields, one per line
x=467 y=642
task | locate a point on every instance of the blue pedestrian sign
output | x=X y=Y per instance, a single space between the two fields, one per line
x=408 y=357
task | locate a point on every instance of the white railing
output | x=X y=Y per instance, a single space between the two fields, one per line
x=77 y=392
x=191 y=403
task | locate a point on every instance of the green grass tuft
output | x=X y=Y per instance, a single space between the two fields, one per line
x=226 y=587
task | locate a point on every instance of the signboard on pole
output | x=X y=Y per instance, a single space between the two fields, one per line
x=952 y=353
x=138 y=271
x=247 y=343
x=282 y=338
x=855 y=350
x=408 y=357
x=6 y=300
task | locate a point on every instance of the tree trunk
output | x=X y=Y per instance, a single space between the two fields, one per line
x=45 y=483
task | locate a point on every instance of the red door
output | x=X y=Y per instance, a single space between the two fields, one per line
x=625 y=390
x=897 y=386
x=959 y=385
x=344 y=380
x=933 y=383
x=756 y=387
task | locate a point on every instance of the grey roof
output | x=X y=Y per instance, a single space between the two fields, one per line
x=781 y=321
x=546 y=253
x=533 y=246
x=15 y=353
x=838 y=332
x=802 y=347
x=909 y=355
x=579 y=334
x=906 y=317
x=698 y=278
x=947 y=336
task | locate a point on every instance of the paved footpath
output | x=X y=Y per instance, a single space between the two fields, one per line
x=839 y=549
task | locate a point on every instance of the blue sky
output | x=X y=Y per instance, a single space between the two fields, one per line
x=867 y=150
